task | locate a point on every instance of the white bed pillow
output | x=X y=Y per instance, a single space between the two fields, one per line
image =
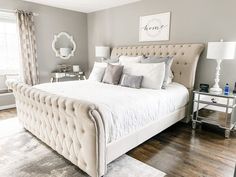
x=168 y=62
x=153 y=73
x=98 y=71
x=128 y=59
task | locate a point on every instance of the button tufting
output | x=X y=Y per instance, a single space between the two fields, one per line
x=79 y=145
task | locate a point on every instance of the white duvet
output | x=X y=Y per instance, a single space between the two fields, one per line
x=123 y=109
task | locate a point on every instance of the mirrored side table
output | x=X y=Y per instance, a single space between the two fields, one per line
x=214 y=109
x=56 y=76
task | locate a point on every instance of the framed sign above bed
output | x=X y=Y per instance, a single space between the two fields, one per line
x=154 y=27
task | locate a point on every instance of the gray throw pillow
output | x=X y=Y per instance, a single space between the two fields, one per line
x=168 y=62
x=112 y=74
x=131 y=81
x=112 y=60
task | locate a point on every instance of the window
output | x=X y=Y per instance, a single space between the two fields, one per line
x=9 y=45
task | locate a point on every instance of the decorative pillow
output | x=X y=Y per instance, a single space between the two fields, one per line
x=112 y=74
x=131 y=81
x=98 y=71
x=168 y=62
x=127 y=59
x=112 y=60
x=153 y=73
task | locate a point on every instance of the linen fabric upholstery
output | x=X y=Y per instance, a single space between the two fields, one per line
x=112 y=74
x=71 y=127
x=153 y=73
x=128 y=59
x=185 y=61
x=51 y=118
x=168 y=62
x=131 y=81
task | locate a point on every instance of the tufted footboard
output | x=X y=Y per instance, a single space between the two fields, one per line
x=73 y=128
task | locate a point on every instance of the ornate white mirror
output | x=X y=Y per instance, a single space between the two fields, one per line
x=63 y=45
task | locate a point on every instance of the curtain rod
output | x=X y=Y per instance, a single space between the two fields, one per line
x=13 y=11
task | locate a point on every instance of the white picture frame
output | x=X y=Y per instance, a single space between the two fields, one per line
x=154 y=27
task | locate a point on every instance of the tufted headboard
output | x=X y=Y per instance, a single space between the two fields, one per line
x=185 y=58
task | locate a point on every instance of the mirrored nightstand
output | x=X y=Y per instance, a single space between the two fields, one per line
x=214 y=109
x=56 y=76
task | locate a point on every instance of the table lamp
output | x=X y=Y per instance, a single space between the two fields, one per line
x=102 y=51
x=220 y=51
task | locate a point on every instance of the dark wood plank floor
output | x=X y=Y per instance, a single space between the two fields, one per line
x=180 y=151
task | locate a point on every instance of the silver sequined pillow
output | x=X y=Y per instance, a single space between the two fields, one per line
x=131 y=81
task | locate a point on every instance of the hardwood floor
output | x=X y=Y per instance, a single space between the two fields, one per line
x=180 y=151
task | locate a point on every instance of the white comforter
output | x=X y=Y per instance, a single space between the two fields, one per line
x=124 y=110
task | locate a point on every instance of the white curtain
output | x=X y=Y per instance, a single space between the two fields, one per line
x=26 y=27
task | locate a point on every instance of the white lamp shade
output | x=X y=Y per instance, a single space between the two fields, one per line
x=221 y=50
x=102 y=51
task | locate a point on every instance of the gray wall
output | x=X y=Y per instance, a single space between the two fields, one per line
x=50 y=22
x=191 y=22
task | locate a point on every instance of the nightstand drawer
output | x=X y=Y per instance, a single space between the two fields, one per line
x=213 y=99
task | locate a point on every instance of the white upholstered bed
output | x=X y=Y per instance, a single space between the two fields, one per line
x=91 y=123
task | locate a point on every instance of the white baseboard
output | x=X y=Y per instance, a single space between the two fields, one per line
x=7 y=106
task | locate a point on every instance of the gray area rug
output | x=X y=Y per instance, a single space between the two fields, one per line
x=23 y=155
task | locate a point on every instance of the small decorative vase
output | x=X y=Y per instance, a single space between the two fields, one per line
x=75 y=68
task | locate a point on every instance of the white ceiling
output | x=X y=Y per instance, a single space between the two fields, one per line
x=86 y=6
